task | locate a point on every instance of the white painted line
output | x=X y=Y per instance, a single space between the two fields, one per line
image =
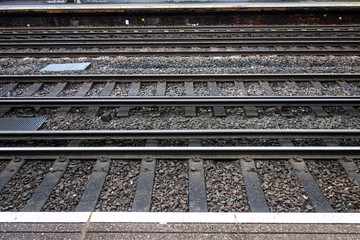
x=163 y=218
x=305 y=218
x=177 y=149
x=44 y=217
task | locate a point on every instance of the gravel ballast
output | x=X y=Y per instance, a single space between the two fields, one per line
x=223 y=179
x=193 y=65
x=340 y=190
x=121 y=89
x=170 y=191
x=147 y=89
x=175 y=89
x=19 y=190
x=281 y=89
x=44 y=90
x=18 y=90
x=119 y=188
x=72 y=121
x=67 y=193
x=225 y=188
x=70 y=90
x=283 y=193
x=95 y=90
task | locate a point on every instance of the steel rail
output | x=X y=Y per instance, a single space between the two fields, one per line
x=179 y=53
x=181 y=101
x=180 y=43
x=180 y=134
x=287 y=27
x=181 y=152
x=208 y=39
x=185 y=77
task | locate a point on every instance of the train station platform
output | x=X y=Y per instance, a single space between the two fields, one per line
x=130 y=225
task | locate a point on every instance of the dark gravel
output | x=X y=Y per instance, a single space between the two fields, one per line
x=348 y=142
x=170 y=191
x=121 y=89
x=67 y=193
x=113 y=143
x=95 y=90
x=46 y=112
x=44 y=90
x=201 y=89
x=225 y=189
x=218 y=142
x=267 y=111
x=147 y=89
x=204 y=112
x=281 y=89
x=333 y=111
x=335 y=89
x=193 y=65
x=302 y=111
x=31 y=143
x=234 y=111
x=173 y=143
x=341 y=191
x=72 y=121
x=283 y=193
x=253 y=89
x=19 y=190
x=355 y=85
x=175 y=89
x=262 y=142
x=70 y=90
x=168 y=112
x=143 y=111
x=119 y=188
x=308 y=142
x=18 y=90
x=308 y=89
x=228 y=89
x=20 y=112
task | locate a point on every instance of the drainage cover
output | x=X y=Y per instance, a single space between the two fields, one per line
x=66 y=67
x=21 y=124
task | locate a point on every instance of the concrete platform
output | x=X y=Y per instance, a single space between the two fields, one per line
x=121 y=225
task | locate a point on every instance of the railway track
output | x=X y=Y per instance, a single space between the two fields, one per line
x=139 y=42
x=129 y=93
x=195 y=198
x=218 y=30
x=229 y=152
x=329 y=77
x=180 y=101
x=218 y=150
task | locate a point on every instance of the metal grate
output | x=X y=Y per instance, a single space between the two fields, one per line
x=21 y=124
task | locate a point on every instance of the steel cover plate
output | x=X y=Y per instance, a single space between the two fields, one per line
x=66 y=67
x=21 y=124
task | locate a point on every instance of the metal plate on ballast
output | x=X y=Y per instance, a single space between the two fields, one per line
x=66 y=67
x=21 y=124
